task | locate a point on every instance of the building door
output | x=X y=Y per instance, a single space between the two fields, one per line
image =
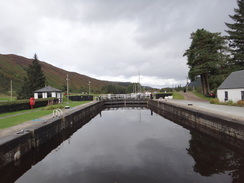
x=49 y=94
x=226 y=96
x=242 y=95
x=39 y=95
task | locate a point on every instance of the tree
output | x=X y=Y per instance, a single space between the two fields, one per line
x=236 y=36
x=213 y=158
x=35 y=79
x=206 y=56
x=113 y=89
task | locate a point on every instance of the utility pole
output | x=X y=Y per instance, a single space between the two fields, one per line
x=139 y=80
x=11 y=90
x=67 y=87
x=89 y=83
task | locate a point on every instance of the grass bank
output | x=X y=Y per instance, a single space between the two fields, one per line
x=201 y=95
x=15 y=118
x=6 y=98
x=178 y=96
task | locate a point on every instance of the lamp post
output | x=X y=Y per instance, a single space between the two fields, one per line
x=89 y=83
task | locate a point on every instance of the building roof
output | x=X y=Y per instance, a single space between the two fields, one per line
x=233 y=81
x=195 y=83
x=47 y=89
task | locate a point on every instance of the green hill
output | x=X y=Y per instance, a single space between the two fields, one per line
x=12 y=67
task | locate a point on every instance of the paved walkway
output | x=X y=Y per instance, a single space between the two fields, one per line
x=232 y=111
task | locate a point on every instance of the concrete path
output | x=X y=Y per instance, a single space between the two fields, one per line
x=190 y=98
x=231 y=111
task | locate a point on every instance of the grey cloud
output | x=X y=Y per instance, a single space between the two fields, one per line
x=110 y=37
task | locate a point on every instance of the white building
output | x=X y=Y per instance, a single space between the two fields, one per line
x=232 y=89
x=47 y=92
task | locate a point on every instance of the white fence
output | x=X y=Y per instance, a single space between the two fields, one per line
x=124 y=96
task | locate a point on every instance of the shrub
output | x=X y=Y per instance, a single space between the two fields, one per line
x=230 y=102
x=214 y=101
x=240 y=103
x=52 y=107
x=19 y=105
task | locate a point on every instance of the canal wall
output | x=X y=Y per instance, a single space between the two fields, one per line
x=221 y=127
x=124 y=103
x=12 y=171
x=15 y=146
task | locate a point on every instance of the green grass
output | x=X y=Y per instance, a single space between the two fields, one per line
x=4 y=97
x=73 y=104
x=16 y=112
x=7 y=98
x=15 y=120
x=27 y=115
x=178 y=96
x=201 y=95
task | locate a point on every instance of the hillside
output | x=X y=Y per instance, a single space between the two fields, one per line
x=12 y=67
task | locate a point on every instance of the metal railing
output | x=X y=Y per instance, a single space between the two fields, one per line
x=124 y=96
x=58 y=112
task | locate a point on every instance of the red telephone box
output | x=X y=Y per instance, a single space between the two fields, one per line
x=32 y=102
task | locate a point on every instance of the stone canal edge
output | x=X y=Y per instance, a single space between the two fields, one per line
x=21 y=139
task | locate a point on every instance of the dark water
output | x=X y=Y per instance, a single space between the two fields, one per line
x=133 y=146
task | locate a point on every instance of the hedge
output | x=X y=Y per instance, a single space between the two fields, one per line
x=81 y=98
x=19 y=105
x=163 y=95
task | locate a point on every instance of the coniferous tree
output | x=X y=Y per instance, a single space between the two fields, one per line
x=35 y=79
x=236 y=36
x=206 y=58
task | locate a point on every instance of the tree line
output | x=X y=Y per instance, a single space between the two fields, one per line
x=213 y=56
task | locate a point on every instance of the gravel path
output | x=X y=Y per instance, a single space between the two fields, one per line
x=190 y=96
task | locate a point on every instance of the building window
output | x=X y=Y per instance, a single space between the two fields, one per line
x=226 y=96
x=49 y=94
x=242 y=95
x=39 y=95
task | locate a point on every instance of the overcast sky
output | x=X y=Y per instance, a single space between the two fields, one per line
x=111 y=39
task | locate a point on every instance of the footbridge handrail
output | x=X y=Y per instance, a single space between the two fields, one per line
x=58 y=112
x=133 y=96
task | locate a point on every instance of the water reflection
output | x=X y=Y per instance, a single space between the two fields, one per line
x=11 y=172
x=212 y=158
x=133 y=146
